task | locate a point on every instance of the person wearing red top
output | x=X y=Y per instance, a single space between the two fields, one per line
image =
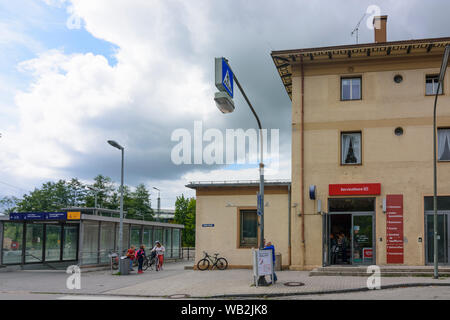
x=131 y=254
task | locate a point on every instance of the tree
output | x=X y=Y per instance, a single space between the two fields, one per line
x=140 y=203
x=8 y=204
x=189 y=227
x=185 y=215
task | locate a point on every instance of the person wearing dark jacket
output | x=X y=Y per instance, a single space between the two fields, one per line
x=140 y=255
x=270 y=246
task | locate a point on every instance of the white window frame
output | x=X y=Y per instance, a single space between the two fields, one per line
x=351 y=79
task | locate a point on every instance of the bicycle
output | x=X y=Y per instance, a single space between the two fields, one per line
x=219 y=262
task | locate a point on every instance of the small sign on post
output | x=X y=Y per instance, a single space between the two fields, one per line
x=262 y=264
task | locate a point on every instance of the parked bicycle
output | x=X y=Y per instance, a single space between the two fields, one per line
x=219 y=262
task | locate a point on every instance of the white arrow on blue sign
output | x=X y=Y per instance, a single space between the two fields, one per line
x=224 y=77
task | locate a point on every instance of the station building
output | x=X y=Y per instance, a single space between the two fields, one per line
x=362 y=160
x=82 y=236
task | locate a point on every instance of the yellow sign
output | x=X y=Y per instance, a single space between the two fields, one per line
x=73 y=215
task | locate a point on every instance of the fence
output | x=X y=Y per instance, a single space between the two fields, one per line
x=188 y=253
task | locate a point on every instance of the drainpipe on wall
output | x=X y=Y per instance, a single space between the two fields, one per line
x=303 y=166
x=289 y=226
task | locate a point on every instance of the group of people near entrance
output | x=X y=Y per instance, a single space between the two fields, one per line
x=139 y=255
x=338 y=247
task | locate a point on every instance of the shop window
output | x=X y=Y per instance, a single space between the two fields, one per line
x=248 y=229
x=135 y=236
x=176 y=243
x=89 y=255
x=443 y=203
x=431 y=85
x=52 y=242
x=12 y=242
x=350 y=89
x=443 y=144
x=34 y=242
x=125 y=237
x=106 y=241
x=148 y=237
x=168 y=242
x=351 y=148
x=158 y=235
x=351 y=205
x=70 y=240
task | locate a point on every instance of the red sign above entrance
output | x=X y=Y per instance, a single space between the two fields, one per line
x=361 y=189
x=394 y=228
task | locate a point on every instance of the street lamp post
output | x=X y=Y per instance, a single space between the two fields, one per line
x=226 y=105
x=159 y=203
x=440 y=83
x=95 y=190
x=118 y=146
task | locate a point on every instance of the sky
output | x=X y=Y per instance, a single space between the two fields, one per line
x=76 y=73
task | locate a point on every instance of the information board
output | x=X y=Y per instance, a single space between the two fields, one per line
x=394 y=229
x=262 y=262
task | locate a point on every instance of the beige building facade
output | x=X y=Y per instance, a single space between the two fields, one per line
x=362 y=162
x=379 y=96
x=226 y=220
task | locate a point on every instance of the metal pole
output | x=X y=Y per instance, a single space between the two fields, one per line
x=435 y=240
x=159 y=206
x=96 y=193
x=261 y=280
x=121 y=215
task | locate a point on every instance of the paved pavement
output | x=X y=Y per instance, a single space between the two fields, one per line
x=174 y=281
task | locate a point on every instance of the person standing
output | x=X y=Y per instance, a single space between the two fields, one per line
x=270 y=246
x=131 y=253
x=140 y=255
x=159 y=249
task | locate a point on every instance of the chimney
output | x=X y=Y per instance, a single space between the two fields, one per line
x=380 y=28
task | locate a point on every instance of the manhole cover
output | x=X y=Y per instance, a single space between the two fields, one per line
x=294 y=284
x=179 y=296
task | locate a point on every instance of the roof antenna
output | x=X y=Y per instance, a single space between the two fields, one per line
x=356 y=30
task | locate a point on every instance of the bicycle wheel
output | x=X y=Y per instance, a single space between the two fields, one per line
x=222 y=263
x=115 y=264
x=145 y=264
x=203 y=264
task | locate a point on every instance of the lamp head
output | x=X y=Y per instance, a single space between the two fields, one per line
x=224 y=102
x=115 y=144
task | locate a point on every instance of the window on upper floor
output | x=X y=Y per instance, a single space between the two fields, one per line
x=431 y=85
x=351 y=148
x=351 y=88
x=443 y=144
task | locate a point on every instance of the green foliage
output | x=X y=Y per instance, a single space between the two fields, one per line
x=185 y=215
x=8 y=204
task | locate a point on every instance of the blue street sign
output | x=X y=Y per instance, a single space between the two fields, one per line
x=38 y=216
x=259 y=212
x=209 y=225
x=224 y=77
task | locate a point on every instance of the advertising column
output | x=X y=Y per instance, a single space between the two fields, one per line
x=394 y=229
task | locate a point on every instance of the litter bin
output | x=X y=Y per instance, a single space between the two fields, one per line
x=124 y=265
x=278 y=261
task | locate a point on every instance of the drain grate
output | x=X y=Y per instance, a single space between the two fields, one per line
x=294 y=284
x=179 y=296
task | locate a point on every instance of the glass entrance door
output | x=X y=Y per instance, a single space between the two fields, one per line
x=362 y=239
x=443 y=245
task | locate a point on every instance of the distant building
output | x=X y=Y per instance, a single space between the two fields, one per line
x=165 y=215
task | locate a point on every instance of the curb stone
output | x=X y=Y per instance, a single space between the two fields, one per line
x=259 y=295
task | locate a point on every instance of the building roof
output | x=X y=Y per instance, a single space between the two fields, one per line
x=284 y=59
x=236 y=183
